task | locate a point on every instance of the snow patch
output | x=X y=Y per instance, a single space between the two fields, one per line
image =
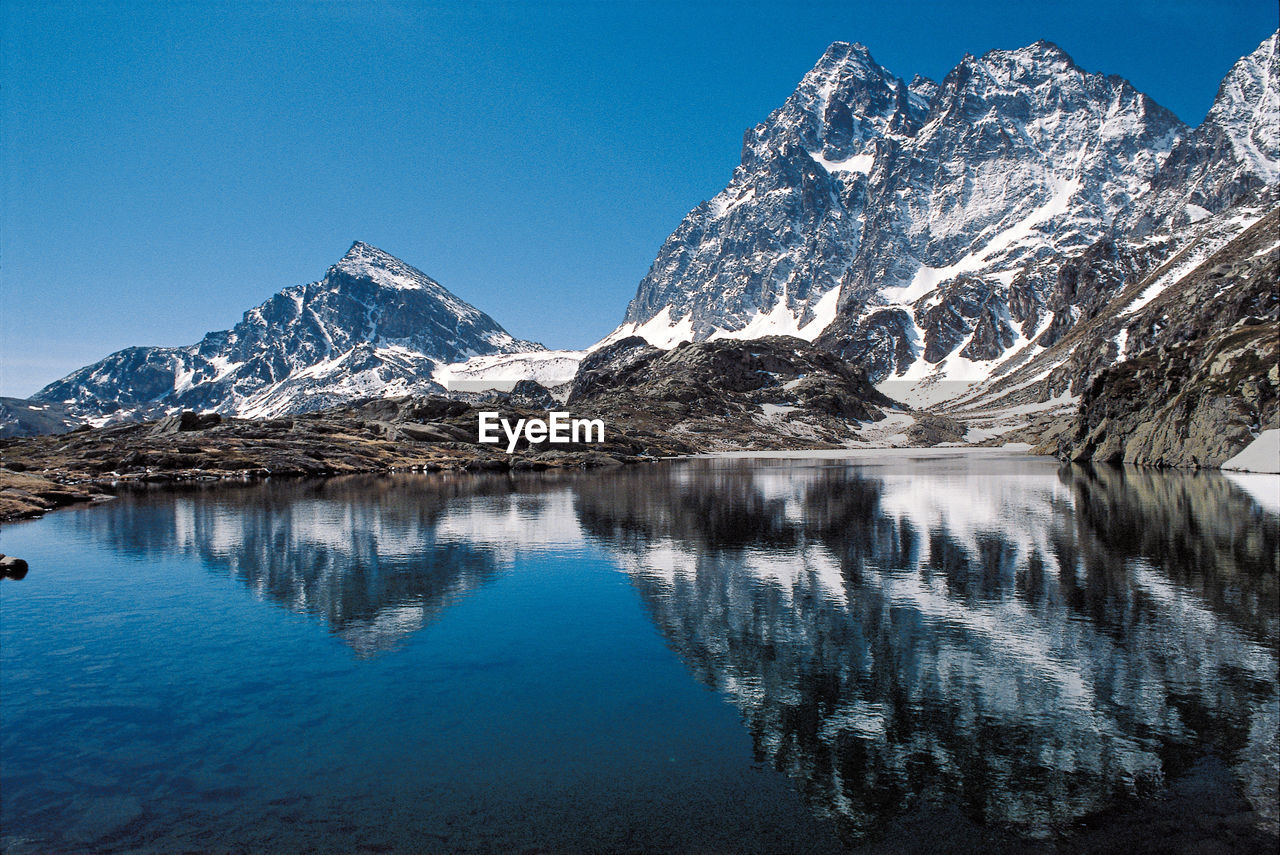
x=927 y=278
x=782 y=321
x=859 y=163
x=503 y=371
x=1261 y=455
x=659 y=331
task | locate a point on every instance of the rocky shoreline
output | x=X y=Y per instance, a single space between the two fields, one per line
x=41 y=473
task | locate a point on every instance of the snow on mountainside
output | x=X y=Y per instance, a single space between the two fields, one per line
x=1129 y=297
x=929 y=232
x=501 y=372
x=372 y=327
x=766 y=250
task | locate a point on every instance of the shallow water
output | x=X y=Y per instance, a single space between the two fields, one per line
x=706 y=655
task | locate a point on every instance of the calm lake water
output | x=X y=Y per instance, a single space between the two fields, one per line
x=982 y=653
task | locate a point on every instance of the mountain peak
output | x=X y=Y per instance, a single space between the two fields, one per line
x=1032 y=62
x=373 y=326
x=368 y=252
x=842 y=50
x=366 y=261
x=842 y=55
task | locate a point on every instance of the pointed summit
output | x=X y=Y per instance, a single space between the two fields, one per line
x=1247 y=108
x=862 y=194
x=365 y=261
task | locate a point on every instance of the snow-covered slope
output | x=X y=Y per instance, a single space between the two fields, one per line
x=372 y=327
x=765 y=251
x=1177 y=289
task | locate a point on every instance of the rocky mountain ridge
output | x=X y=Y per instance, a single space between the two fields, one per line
x=1172 y=289
x=773 y=392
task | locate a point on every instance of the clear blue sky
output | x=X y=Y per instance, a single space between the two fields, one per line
x=169 y=165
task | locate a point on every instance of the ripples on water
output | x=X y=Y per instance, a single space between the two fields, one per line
x=990 y=647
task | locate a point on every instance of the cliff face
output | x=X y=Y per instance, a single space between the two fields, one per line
x=1204 y=379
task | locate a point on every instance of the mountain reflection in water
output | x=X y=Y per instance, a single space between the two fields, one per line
x=1033 y=645
x=1030 y=644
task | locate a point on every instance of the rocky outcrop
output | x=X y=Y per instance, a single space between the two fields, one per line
x=878 y=343
x=1197 y=403
x=23 y=494
x=773 y=392
x=968 y=309
x=609 y=367
x=12 y=567
x=1199 y=379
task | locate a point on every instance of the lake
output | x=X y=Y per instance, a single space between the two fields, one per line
x=981 y=652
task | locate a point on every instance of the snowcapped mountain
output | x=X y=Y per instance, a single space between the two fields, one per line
x=372 y=327
x=782 y=235
x=925 y=231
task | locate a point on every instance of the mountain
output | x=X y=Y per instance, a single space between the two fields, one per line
x=1195 y=375
x=760 y=257
x=930 y=232
x=1142 y=299
x=372 y=327
x=1234 y=151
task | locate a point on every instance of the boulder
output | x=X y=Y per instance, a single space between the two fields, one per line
x=12 y=567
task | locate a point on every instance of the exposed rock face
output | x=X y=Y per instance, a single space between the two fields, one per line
x=372 y=326
x=1200 y=376
x=1195 y=404
x=879 y=342
x=1084 y=285
x=788 y=226
x=531 y=394
x=770 y=392
x=607 y=367
x=1119 y=299
x=967 y=309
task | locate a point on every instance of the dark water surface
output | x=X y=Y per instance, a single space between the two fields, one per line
x=941 y=654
